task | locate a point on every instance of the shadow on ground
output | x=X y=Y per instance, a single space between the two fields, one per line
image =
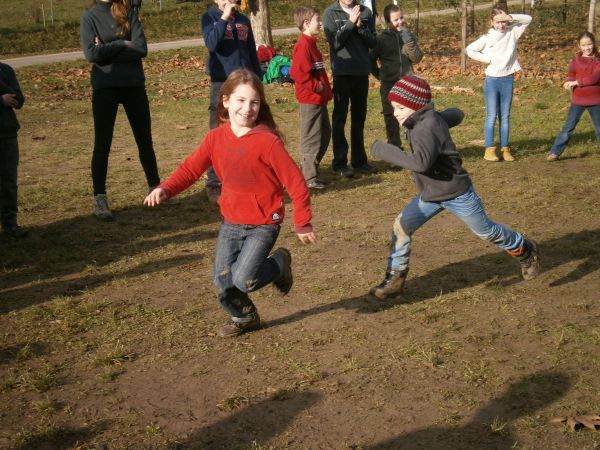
x=583 y=246
x=490 y=425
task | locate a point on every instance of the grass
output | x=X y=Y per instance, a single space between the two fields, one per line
x=108 y=330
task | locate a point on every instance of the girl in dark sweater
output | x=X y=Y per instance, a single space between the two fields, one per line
x=113 y=40
x=583 y=82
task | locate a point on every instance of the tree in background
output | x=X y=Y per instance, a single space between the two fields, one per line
x=261 y=21
x=592 y=17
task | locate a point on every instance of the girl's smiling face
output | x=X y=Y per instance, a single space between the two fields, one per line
x=586 y=46
x=499 y=24
x=243 y=105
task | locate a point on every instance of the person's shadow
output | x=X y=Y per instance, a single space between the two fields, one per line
x=583 y=246
x=256 y=423
x=490 y=426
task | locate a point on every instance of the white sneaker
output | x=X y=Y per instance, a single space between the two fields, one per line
x=101 y=209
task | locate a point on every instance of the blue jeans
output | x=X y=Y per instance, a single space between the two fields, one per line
x=573 y=116
x=467 y=207
x=215 y=88
x=243 y=265
x=498 y=100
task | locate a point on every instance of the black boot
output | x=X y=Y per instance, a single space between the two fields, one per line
x=392 y=285
x=530 y=260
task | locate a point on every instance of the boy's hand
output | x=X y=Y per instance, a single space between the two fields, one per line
x=355 y=15
x=10 y=100
x=320 y=88
x=97 y=40
x=156 y=197
x=307 y=238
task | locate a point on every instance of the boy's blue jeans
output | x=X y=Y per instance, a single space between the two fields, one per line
x=467 y=207
x=243 y=265
x=498 y=100
x=573 y=116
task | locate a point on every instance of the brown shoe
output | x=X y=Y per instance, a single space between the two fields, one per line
x=391 y=286
x=232 y=329
x=530 y=263
x=490 y=154
x=506 y=155
x=552 y=157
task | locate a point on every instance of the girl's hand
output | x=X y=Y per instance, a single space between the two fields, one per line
x=156 y=197
x=97 y=40
x=307 y=238
x=10 y=101
x=570 y=85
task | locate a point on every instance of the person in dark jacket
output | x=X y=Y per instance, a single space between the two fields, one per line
x=12 y=98
x=230 y=42
x=442 y=183
x=393 y=57
x=113 y=40
x=350 y=31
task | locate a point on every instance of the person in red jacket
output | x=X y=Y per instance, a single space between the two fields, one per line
x=313 y=91
x=584 y=83
x=247 y=153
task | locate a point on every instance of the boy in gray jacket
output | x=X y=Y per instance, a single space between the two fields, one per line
x=442 y=183
x=396 y=51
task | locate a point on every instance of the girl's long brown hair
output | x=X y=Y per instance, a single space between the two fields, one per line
x=120 y=11
x=245 y=76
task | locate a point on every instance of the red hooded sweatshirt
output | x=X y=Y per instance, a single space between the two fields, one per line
x=586 y=71
x=307 y=70
x=254 y=170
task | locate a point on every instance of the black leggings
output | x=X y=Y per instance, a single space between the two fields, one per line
x=105 y=103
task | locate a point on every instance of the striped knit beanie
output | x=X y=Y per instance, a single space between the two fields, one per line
x=411 y=91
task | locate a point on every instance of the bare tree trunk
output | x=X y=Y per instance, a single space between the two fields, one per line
x=592 y=16
x=463 y=36
x=261 y=22
x=417 y=7
x=471 y=17
x=522 y=6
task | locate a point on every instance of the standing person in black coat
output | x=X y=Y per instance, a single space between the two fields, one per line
x=11 y=99
x=113 y=40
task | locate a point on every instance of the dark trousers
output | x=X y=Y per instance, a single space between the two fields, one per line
x=215 y=89
x=392 y=127
x=243 y=265
x=9 y=161
x=315 y=135
x=105 y=103
x=349 y=90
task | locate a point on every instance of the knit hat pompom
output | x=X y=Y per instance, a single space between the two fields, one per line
x=411 y=91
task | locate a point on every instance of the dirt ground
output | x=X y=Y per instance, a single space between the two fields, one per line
x=108 y=330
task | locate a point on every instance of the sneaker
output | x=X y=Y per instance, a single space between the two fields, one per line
x=345 y=172
x=506 y=154
x=101 y=209
x=552 y=157
x=213 y=193
x=283 y=258
x=367 y=169
x=316 y=185
x=234 y=328
x=391 y=286
x=15 y=232
x=490 y=154
x=530 y=264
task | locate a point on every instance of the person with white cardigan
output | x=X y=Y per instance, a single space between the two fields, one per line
x=498 y=49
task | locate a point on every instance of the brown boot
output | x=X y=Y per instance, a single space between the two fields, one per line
x=392 y=285
x=530 y=262
x=490 y=154
x=232 y=328
x=506 y=155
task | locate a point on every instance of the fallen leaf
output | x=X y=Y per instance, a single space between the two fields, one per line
x=587 y=420
x=181 y=127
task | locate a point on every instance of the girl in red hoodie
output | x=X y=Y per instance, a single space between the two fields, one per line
x=247 y=153
x=583 y=81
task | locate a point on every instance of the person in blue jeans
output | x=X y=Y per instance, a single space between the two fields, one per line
x=498 y=49
x=442 y=184
x=583 y=79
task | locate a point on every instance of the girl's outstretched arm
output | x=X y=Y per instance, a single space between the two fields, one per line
x=156 y=197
